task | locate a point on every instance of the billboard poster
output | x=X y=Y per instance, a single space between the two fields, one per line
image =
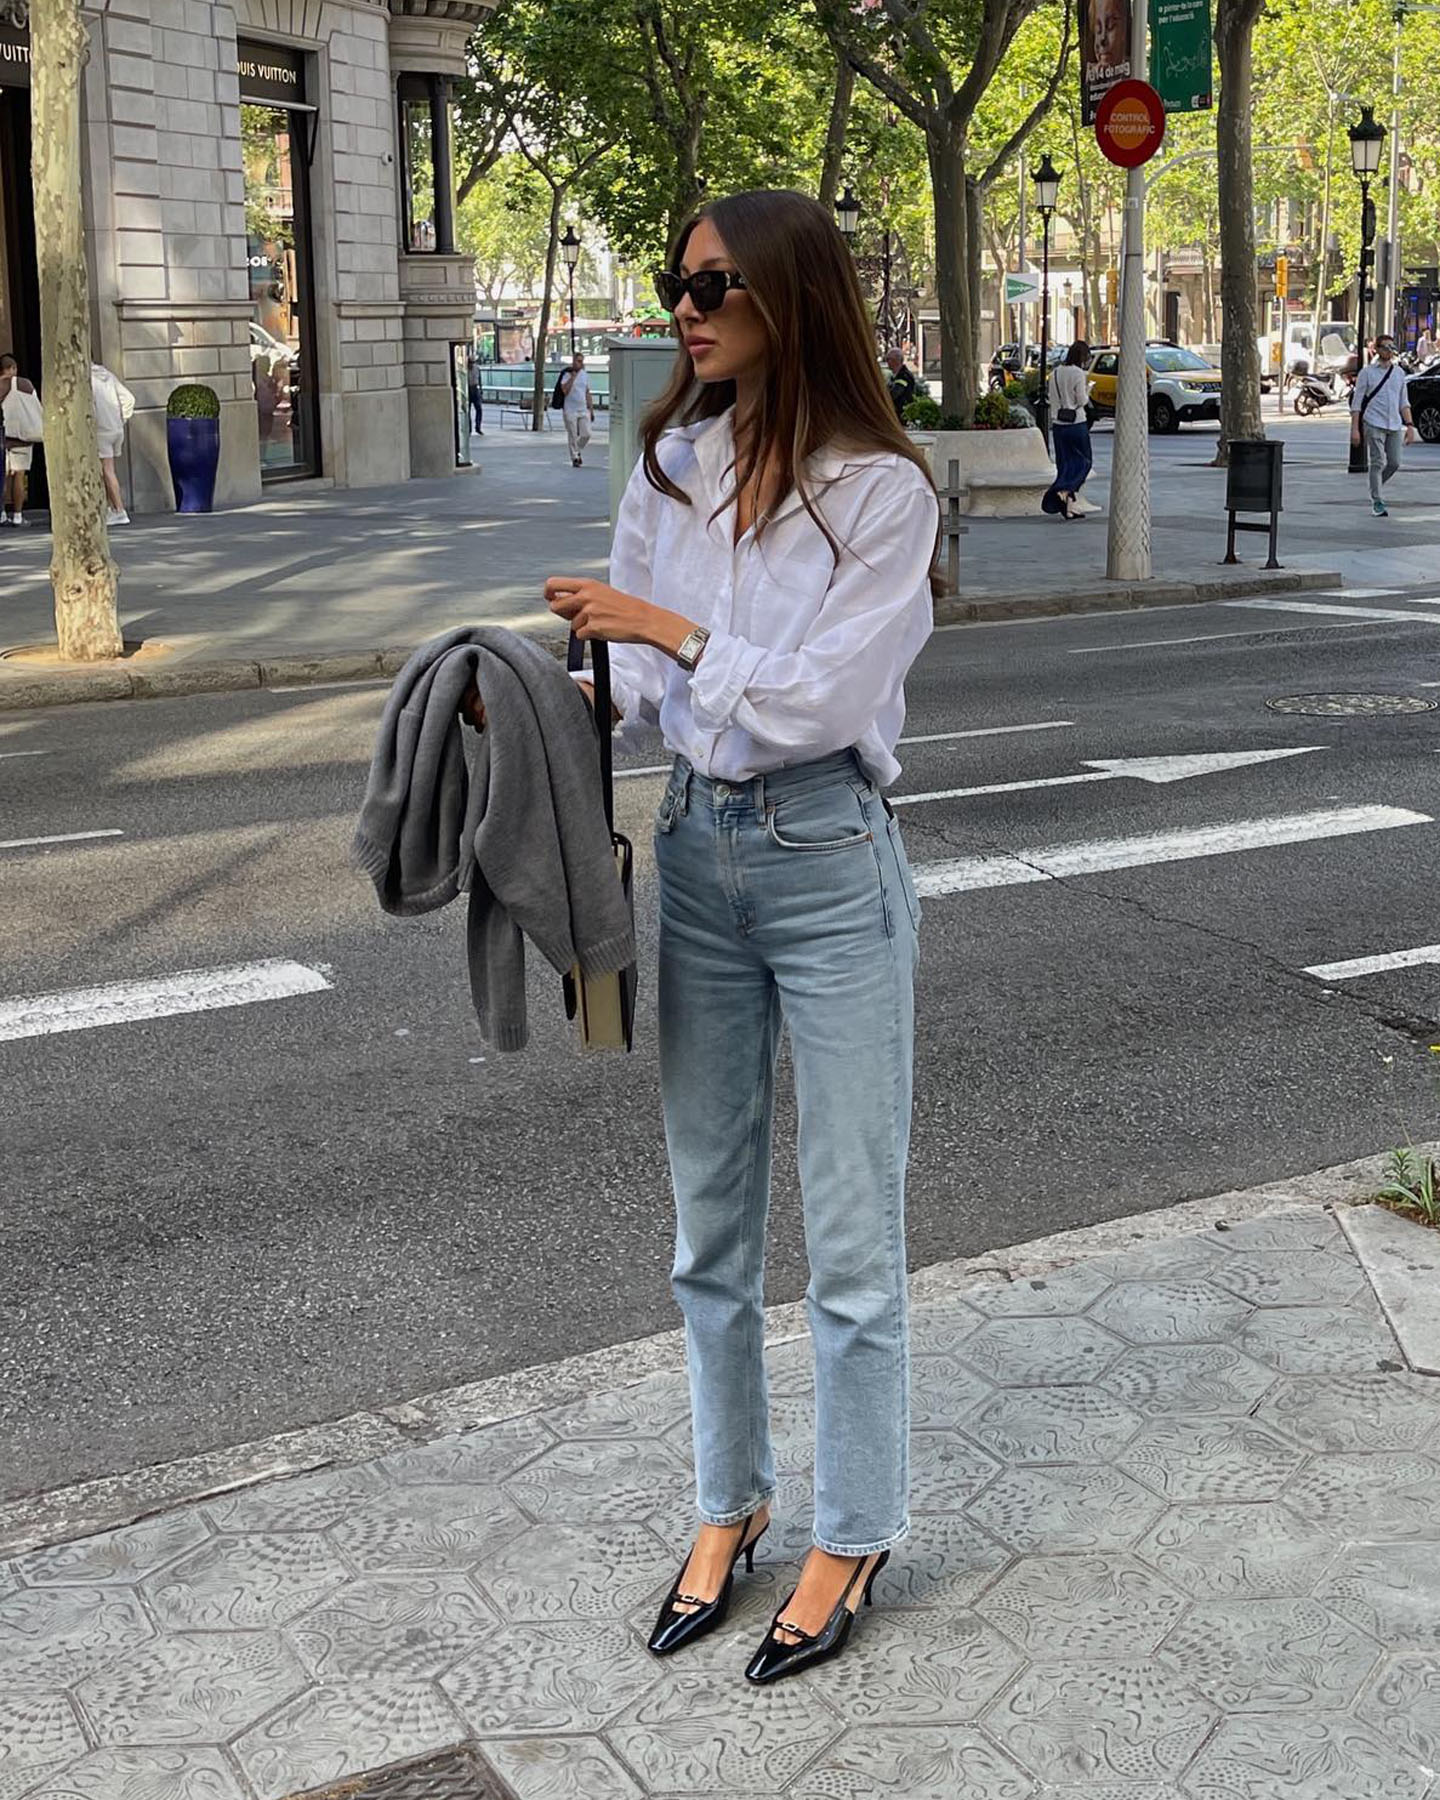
x=1104 y=51
x=1180 y=55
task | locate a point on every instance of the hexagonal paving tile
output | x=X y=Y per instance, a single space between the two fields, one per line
x=55 y=1635
x=1079 y=1606
x=589 y=1480
x=154 y=1773
x=426 y=1530
x=1127 y=1790
x=1193 y=1378
x=242 y=1583
x=537 y=1768
x=942 y=1391
x=332 y=1732
x=1269 y=1655
x=945 y=1561
x=945 y=1470
x=1263 y=1552
x=1188 y=1257
x=404 y=1627
x=1077 y=1506
x=486 y=1457
x=1290 y=1278
x=690 y=1735
x=1170 y=1312
x=125 y=1555
x=1214 y=1459
x=644 y=1409
x=1364 y=1411
x=1053 y=1424
x=1302 y=1341
x=39 y=1733
x=547 y=1678
x=1402 y=1702
x=941 y=1326
x=1390 y=1590
x=191 y=1690
x=1068 y=1290
x=1377 y=1494
x=925 y=1762
x=1313 y=1758
x=1060 y=1352
x=1307 y=1228
x=302 y=1503
x=917 y=1668
x=1101 y=1722
x=559 y=1572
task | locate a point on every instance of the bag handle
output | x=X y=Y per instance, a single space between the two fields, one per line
x=600 y=668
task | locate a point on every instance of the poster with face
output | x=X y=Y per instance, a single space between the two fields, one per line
x=1104 y=51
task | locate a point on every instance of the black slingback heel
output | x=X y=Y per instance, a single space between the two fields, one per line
x=675 y=1629
x=774 y=1659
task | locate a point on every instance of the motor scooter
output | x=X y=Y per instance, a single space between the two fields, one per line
x=1317 y=389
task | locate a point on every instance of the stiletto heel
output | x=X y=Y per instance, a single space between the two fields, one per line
x=774 y=1660
x=674 y=1628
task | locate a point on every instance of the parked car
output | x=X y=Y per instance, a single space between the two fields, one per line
x=1183 y=386
x=1424 y=396
x=1004 y=365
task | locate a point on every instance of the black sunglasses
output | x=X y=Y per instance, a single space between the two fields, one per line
x=707 y=288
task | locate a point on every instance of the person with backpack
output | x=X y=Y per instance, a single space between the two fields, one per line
x=573 y=389
x=24 y=427
x=1379 y=409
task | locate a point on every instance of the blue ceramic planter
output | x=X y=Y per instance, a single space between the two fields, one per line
x=194 y=447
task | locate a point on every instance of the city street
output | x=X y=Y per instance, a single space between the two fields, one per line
x=221 y=1223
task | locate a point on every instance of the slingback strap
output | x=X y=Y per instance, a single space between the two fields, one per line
x=805 y=1637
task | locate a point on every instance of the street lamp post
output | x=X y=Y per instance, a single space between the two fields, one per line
x=847 y=214
x=1367 y=140
x=1047 y=191
x=570 y=250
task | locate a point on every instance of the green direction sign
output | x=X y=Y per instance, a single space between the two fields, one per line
x=1180 y=55
x=1021 y=289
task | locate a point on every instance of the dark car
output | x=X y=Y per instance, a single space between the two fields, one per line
x=1004 y=365
x=1424 y=397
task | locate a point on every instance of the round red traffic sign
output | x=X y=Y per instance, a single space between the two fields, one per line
x=1130 y=123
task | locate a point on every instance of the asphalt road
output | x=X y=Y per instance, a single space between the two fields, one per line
x=221 y=1224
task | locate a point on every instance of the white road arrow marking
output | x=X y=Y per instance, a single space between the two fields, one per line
x=1121 y=768
x=123 y=1002
x=966 y=873
x=1317 y=608
x=1376 y=965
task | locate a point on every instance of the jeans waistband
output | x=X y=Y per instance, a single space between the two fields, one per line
x=760 y=790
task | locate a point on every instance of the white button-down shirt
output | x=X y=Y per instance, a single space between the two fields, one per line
x=807 y=656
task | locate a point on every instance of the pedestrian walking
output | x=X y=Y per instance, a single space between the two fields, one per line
x=1425 y=348
x=579 y=407
x=769 y=588
x=903 y=384
x=477 y=395
x=1069 y=433
x=114 y=403
x=22 y=426
x=1380 y=417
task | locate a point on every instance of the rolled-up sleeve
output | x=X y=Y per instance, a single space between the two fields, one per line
x=872 y=624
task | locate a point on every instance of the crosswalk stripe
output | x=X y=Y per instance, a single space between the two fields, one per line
x=1376 y=965
x=1353 y=612
x=125 y=1002
x=965 y=874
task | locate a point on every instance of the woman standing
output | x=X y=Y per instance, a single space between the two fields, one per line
x=770 y=586
x=1069 y=432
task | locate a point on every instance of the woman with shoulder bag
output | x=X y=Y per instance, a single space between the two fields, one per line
x=770 y=586
x=1069 y=433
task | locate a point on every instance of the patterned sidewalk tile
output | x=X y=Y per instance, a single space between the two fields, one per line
x=1317 y=1758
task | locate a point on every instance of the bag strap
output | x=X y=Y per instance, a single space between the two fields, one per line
x=1365 y=403
x=600 y=668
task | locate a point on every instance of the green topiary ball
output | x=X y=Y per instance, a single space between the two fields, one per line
x=193 y=400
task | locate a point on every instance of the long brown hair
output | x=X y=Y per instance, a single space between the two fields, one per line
x=823 y=387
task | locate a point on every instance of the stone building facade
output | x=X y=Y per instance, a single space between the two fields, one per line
x=268 y=202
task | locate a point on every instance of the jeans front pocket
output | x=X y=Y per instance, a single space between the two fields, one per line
x=823 y=820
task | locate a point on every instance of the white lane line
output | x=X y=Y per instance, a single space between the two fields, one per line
x=4 y=754
x=1376 y=965
x=1357 y=593
x=933 y=737
x=313 y=687
x=1155 y=769
x=966 y=873
x=69 y=837
x=634 y=774
x=1209 y=637
x=1354 y=612
x=124 y=1002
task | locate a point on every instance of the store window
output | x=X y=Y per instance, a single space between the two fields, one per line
x=277 y=135
x=427 y=208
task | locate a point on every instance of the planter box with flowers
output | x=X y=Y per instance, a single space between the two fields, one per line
x=1004 y=465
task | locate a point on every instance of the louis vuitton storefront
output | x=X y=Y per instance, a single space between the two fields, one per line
x=250 y=209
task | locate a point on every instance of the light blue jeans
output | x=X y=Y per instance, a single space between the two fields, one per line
x=788 y=900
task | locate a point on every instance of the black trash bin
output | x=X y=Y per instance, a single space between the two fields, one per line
x=1255 y=483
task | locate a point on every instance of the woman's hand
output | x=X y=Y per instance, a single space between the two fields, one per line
x=472 y=707
x=597 y=611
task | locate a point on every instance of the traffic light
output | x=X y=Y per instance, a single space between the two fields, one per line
x=1282 y=277
x=1112 y=287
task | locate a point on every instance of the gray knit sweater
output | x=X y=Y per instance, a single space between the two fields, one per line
x=513 y=815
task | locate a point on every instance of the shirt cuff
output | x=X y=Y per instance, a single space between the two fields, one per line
x=719 y=681
x=622 y=695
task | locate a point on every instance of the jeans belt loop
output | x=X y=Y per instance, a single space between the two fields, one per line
x=682 y=802
x=757 y=792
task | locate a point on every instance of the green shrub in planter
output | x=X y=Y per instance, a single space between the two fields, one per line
x=953 y=422
x=193 y=400
x=1020 y=417
x=992 y=412
x=1017 y=390
x=922 y=413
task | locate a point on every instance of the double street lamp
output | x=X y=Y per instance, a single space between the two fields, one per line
x=570 y=250
x=1047 y=192
x=1367 y=141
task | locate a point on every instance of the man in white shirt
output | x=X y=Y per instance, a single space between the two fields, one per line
x=579 y=407
x=1379 y=408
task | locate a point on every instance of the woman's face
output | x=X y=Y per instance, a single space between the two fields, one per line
x=728 y=344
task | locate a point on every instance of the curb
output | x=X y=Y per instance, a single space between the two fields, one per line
x=70 y=687
x=63 y=1514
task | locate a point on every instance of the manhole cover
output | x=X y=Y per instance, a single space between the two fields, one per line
x=458 y=1774
x=1352 y=706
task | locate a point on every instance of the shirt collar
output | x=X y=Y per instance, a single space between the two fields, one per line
x=713 y=443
